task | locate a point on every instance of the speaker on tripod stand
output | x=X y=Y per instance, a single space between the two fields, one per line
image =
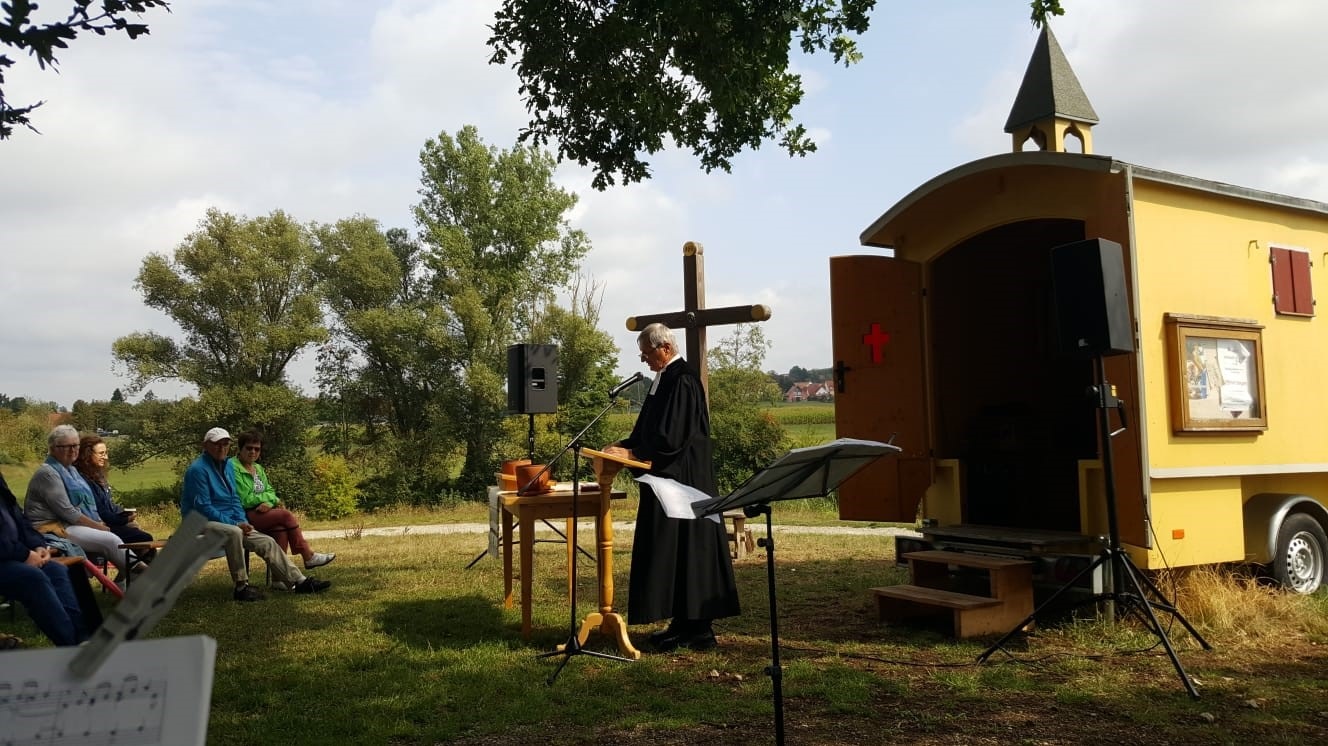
x=1093 y=320
x=532 y=388
x=532 y=379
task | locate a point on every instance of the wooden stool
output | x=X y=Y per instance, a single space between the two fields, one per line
x=740 y=535
x=134 y=550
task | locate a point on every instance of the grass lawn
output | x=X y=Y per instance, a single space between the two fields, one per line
x=409 y=647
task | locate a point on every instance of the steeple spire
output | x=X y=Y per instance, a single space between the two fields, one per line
x=1050 y=104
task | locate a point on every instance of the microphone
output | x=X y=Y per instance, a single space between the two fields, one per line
x=613 y=392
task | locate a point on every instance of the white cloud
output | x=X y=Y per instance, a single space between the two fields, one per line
x=320 y=108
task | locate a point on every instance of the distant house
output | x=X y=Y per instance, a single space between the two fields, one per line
x=810 y=391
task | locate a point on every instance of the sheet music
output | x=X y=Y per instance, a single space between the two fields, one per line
x=148 y=692
x=675 y=497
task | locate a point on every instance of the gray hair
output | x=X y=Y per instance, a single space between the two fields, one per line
x=60 y=433
x=655 y=335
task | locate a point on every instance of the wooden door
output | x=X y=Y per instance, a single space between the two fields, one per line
x=880 y=389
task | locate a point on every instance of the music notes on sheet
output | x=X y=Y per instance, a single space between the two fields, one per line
x=98 y=713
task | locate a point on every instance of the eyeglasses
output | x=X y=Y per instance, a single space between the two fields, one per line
x=65 y=447
x=646 y=353
x=100 y=454
x=255 y=449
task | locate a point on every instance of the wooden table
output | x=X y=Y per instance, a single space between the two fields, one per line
x=527 y=509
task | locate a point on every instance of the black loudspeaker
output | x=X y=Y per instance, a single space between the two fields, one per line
x=532 y=379
x=1092 y=308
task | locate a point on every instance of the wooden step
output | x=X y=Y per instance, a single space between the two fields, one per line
x=970 y=616
x=935 y=597
x=964 y=559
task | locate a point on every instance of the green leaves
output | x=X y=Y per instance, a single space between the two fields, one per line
x=609 y=81
x=241 y=290
x=42 y=41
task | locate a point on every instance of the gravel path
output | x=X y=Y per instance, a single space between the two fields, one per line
x=627 y=526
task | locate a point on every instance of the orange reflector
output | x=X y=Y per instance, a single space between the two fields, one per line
x=1178 y=533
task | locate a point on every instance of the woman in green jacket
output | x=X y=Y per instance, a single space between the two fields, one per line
x=263 y=507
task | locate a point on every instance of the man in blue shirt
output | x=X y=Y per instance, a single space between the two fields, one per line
x=209 y=488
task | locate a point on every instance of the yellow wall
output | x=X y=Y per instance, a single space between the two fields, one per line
x=1207 y=511
x=1204 y=254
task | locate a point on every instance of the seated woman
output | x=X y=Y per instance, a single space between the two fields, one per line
x=93 y=459
x=29 y=575
x=59 y=500
x=263 y=507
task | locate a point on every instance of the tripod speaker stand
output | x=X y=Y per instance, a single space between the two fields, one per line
x=1130 y=588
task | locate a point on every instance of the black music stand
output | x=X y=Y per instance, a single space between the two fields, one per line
x=800 y=473
x=573 y=645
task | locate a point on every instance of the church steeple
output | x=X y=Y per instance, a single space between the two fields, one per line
x=1050 y=104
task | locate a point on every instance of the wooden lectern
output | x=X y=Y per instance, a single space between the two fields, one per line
x=606 y=620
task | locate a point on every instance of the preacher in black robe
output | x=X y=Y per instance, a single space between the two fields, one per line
x=681 y=569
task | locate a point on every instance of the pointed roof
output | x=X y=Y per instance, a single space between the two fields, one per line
x=1050 y=88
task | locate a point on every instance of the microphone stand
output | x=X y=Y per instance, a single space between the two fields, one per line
x=573 y=645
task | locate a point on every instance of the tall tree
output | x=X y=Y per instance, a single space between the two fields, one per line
x=241 y=290
x=498 y=244
x=609 y=80
x=243 y=293
x=391 y=354
x=41 y=40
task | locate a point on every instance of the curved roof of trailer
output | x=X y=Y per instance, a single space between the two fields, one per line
x=1092 y=163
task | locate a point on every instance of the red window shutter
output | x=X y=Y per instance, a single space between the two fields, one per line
x=1300 y=282
x=1292 y=293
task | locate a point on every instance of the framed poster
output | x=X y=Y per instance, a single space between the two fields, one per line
x=1216 y=377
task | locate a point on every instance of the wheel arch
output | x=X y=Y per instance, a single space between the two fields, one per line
x=1264 y=515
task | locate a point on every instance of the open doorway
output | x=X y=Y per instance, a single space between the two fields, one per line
x=1009 y=404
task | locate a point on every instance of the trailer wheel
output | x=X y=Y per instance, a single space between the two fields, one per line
x=1301 y=552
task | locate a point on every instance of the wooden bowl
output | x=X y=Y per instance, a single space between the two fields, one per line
x=527 y=472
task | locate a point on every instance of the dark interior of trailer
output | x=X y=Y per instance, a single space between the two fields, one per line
x=1010 y=404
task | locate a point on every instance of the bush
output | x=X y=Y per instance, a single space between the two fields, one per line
x=746 y=440
x=333 y=492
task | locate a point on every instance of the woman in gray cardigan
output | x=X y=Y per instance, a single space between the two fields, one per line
x=60 y=501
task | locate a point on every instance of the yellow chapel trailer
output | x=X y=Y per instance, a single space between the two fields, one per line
x=949 y=343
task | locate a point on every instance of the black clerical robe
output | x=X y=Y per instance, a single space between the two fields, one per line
x=681 y=569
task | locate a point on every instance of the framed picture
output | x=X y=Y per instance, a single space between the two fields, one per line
x=1216 y=377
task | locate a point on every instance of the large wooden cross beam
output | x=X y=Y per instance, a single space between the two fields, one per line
x=695 y=317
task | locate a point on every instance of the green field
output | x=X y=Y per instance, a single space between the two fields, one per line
x=808 y=423
x=156 y=472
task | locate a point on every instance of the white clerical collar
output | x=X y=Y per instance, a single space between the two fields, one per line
x=655 y=384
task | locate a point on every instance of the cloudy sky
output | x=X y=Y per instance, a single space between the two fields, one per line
x=320 y=108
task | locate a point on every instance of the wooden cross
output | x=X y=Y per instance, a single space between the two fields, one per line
x=695 y=317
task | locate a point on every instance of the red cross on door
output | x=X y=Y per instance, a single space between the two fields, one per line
x=876 y=339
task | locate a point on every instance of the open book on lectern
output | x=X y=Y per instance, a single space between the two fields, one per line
x=802 y=472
